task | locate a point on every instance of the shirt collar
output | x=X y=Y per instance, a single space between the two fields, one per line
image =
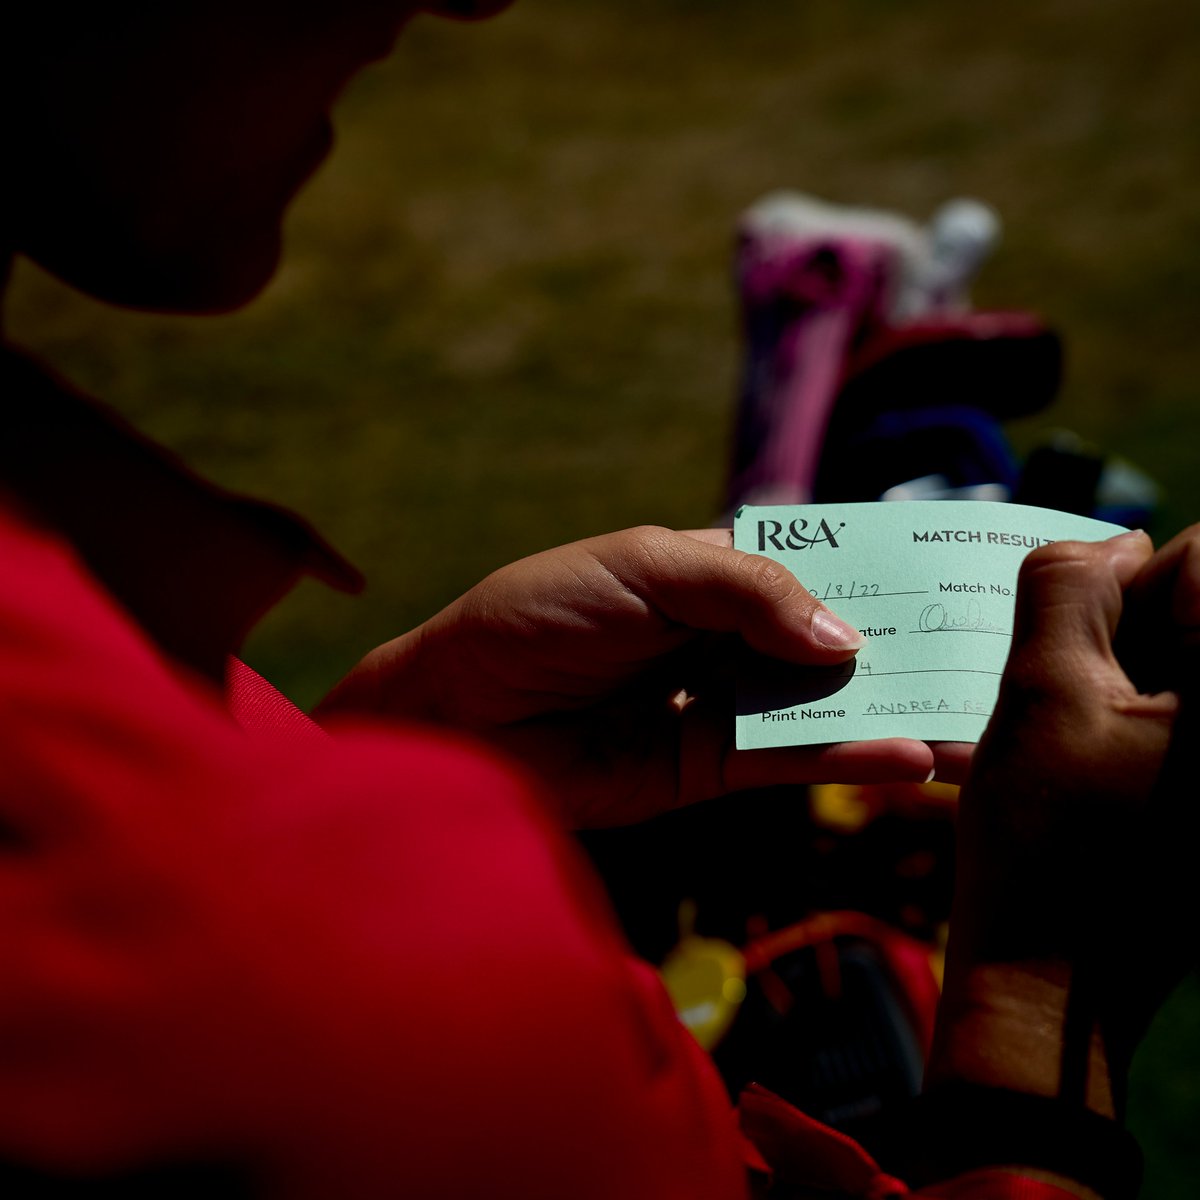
x=195 y=565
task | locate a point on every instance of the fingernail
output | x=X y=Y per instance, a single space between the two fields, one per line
x=834 y=633
x=930 y=777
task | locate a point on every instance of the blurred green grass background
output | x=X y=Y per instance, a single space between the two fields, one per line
x=504 y=320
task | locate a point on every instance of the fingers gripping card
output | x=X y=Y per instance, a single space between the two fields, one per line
x=931 y=586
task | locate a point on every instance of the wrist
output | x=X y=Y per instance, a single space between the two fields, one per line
x=1019 y=1026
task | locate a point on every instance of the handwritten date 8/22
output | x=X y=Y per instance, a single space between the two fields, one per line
x=854 y=590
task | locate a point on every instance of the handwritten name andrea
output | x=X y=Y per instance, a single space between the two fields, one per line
x=945 y=618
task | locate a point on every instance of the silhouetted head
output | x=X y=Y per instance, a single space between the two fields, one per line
x=152 y=149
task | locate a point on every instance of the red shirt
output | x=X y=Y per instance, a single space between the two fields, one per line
x=355 y=964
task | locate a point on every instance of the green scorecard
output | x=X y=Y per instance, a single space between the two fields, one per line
x=930 y=584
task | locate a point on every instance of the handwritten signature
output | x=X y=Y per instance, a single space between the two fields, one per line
x=937 y=618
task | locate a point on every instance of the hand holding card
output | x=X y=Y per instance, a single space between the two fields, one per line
x=606 y=666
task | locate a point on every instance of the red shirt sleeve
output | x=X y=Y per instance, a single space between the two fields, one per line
x=362 y=965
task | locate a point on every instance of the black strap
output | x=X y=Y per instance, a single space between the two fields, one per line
x=956 y=1128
